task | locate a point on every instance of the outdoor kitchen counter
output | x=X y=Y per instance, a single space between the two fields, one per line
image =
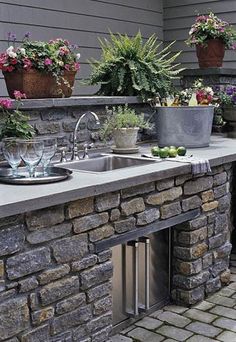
x=19 y=199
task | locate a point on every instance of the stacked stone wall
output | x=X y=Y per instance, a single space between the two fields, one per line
x=55 y=287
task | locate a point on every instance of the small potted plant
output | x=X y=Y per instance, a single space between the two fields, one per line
x=130 y=66
x=123 y=125
x=188 y=120
x=14 y=123
x=40 y=69
x=227 y=101
x=211 y=36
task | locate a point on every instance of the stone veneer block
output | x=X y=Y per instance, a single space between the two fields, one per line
x=27 y=263
x=107 y=201
x=138 y=190
x=86 y=223
x=71 y=248
x=96 y=275
x=101 y=233
x=80 y=207
x=164 y=184
x=170 y=210
x=59 y=289
x=14 y=317
x=53 y=274
x=47 y=234
x=133 y=206
x=148 y=216
x=164 y=196
x=125 y=225
x=45 y=217
x=11 y=239
x=198 y=185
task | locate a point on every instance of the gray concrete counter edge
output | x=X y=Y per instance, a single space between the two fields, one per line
x=19 y=199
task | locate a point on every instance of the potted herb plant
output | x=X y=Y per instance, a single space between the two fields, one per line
x=187 y=121
x=14 y=123
x=40 y=69
x=227 y=101
x=129 y=66
x=123 y=125
x=211 y=36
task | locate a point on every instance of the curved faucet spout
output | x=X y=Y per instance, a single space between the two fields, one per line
x=75 y=155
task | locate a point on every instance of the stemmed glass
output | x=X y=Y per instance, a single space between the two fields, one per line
x=50 y=147
x=31 y=153
x=12 y=152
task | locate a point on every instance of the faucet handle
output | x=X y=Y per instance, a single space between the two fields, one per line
x=63 y=151
x=86 y=148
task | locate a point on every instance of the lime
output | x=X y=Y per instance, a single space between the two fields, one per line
x=172 y=152
x=166 y=148
x=163 y=152
x=181 y=150
x=155 y=151
x=173 y=148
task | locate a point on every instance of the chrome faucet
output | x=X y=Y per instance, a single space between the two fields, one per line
x=75 y=154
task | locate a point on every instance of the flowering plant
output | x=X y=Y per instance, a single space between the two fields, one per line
x=226 y=97
x=204 y=94
x=183 y=97
x=55 y=56
x=211 y=27
x=14 y=123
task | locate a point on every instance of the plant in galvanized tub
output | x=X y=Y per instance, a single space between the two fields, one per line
x=123 y=125
x=187 y=121
x=227 y=101
x=39 y=69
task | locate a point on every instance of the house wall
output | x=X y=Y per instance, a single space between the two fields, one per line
x=179 y=15
x=82 y=22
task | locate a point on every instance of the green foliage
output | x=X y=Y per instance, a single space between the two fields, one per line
x=132 y=67
x=123 y=117
x=15 y=124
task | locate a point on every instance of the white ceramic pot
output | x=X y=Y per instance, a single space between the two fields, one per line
x=125 y=137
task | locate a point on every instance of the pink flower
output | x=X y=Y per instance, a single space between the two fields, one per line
x=19 y=95
x=48 y=61
x=67 y=67
x=27 y=63
x=63 y=51
x=5 y=103
x=77 y=66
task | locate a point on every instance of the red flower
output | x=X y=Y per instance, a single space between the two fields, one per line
x=19 y=95
x=13 y=61
x=5 y=103
x=77 y=66
x=27 y=63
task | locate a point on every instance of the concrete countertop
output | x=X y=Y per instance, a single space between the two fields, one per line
x=16 y=199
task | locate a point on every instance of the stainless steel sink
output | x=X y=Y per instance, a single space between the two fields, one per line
x=104 y=163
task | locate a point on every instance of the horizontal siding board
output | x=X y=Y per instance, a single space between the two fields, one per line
x=181 y=3
x=151 y=5
x=90 y=8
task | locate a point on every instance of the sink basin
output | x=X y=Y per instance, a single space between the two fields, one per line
x=105 y=163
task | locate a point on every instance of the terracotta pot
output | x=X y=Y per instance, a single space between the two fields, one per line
x=212 y=55
x=37 y=85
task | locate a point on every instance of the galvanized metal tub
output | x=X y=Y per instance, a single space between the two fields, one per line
x=188 y=126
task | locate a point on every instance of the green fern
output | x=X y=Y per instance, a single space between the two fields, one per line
x=132 y=67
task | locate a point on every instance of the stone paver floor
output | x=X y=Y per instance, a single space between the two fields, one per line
x=214 y=319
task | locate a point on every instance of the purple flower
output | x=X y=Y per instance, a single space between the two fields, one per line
x=11 y=36
x=216 y=88
x=27 y=35
x=229 y=91
x=233 y=99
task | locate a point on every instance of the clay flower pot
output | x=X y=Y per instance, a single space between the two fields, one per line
x=37 y=85
x=212 y=55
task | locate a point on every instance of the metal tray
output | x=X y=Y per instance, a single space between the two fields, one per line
x=55 y=174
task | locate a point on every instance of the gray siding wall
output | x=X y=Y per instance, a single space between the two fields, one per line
x=179 y=15
x=81 y=22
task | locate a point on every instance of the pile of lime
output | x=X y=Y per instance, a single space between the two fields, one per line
x=168 y=151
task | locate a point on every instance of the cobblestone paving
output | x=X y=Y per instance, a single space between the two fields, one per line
x=214 y=319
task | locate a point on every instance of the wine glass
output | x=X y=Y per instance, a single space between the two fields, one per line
x=50 y=147
x=31 y=153
x=12 y=152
